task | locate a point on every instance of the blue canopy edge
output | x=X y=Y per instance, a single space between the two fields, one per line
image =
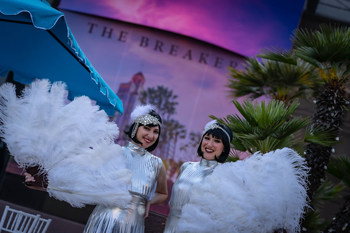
x=103 y=86
x=45 y=17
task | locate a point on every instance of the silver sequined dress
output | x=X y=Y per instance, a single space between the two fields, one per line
x=190 y=174
x=145 y=168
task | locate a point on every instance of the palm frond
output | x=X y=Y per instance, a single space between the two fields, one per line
x=282 y=79
x=328 y=44
x=327 y=191
x=263 y=126
x=231 y=159
x=308 y=54
x=279 y=56
x=336 y=74
x=313 y=222
x=340 y=168
x=321 y=136
x=290 y=127
x=247 y=82
x=246 y=110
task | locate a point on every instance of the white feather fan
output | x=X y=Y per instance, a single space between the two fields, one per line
x=258 y=194
x=73 y=143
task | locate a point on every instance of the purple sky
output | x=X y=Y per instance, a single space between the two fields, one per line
x=200 y=86
x=243 y=26
x=238 y=26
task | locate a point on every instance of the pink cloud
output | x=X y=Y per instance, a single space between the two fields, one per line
x=239 y=26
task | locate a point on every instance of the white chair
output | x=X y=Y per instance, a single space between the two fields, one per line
x=42 y=225
x=17 y=221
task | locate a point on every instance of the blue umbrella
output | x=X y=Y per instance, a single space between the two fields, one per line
x=36 y=42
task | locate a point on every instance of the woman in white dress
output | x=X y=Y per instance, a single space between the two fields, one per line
x=73 y=147
x=213 y=148
x=148 y=184
x=264 y=193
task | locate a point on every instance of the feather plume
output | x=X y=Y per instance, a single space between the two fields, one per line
x=259 y=194
x=209 y=124
x=72 y=143
x=98 y=176
x=140 y=110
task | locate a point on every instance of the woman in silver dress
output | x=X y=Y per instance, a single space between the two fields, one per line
x=148 y=185
x=214 y=148
x=263 y=193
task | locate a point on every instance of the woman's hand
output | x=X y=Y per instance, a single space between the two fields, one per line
x=148 y=205
x=28 y=178
x=34 y=179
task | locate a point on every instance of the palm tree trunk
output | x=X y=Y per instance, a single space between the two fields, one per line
x=330 y=110
x=317 y=158
x=341 y=222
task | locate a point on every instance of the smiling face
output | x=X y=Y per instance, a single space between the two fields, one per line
x=147 y=135
x=211 y=147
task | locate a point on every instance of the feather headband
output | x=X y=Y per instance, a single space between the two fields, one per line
x=140 y=115
x=214 y=125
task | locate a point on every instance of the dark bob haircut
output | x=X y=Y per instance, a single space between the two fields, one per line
x=151 y=148
x=219 y=134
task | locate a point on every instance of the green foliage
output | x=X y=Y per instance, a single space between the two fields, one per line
x=328 y=49
x=327 y=45
x=313 y=222
x=283 y=80
x=321 y=136
x=339 y=167
x=318 y=65
x=264 y=127
x=232 y=159
x=279 y=56
x=327 y=191
x=312 y=219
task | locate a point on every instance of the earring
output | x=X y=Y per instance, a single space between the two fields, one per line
x=133 y=132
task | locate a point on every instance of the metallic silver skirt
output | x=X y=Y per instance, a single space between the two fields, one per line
x=172 y=221
x=116 y=220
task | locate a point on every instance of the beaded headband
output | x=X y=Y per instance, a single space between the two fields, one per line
x=146 y=119
x=216 y=126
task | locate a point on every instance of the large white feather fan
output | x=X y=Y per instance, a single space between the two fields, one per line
x=72 y=143
x=259 y=194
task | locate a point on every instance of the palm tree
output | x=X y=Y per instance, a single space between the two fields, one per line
x=193 y=140
x=340 y=168
x=171 y=133
x=264 y=127
x=161 y=97
x=284 y=81
x=325 y=52
x=179 y=132
x=165 y=101
x=328 y=50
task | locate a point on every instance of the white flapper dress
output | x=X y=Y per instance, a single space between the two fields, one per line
x=145 y=168
x=260 y=194
x=190 y=173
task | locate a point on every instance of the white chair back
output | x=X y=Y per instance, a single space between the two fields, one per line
x=17 y=221
x=42 y=225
